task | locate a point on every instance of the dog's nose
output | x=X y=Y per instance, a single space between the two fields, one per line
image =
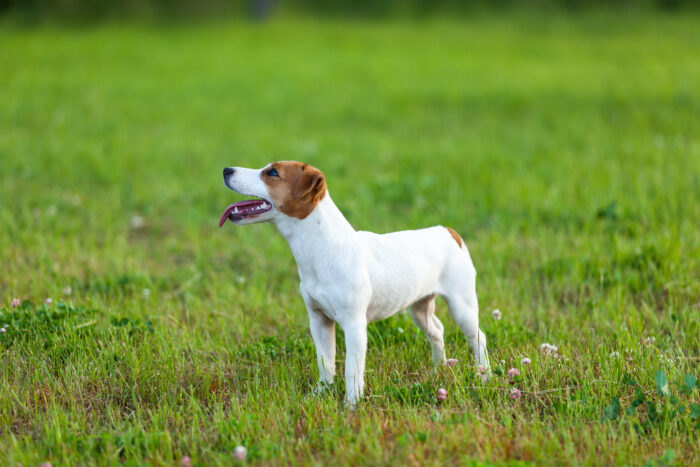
x=228 y=171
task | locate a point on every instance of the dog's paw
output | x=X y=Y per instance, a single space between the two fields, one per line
x=319 y=390
x=351 y=400
x=350 y=404
x=484 y=374
x=322 y=387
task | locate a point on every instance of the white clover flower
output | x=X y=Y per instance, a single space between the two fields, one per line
x=137 y=222
x=552 y=351
x=496 y=314
x=239 y=453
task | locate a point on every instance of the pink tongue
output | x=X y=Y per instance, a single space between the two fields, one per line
x=227 y=212
x=241 y=205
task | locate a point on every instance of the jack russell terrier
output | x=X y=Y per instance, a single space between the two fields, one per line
x=352 y=278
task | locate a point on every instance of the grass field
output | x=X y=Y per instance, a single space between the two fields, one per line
x=565 y=150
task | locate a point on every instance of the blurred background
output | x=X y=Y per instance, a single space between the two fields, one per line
x=559 y=125
x=91 y=10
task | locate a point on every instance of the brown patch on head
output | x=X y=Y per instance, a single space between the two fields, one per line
x=456 y=236
x=296 y=189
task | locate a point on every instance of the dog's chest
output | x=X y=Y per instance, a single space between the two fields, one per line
x=335 y=289
x=325 y=300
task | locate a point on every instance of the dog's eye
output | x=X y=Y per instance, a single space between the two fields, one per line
x=272 y=173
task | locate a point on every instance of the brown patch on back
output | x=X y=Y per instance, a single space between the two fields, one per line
x=298 y=188
x=456 y=236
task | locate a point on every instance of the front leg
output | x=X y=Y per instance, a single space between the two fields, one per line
x=356 y=348
x=323 y=334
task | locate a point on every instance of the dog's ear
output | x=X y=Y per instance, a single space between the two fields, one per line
x=310 y=186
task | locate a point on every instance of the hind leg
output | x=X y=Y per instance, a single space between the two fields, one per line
x=423 y=314
x=464 y=308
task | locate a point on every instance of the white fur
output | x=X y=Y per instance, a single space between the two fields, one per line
x=352 y=278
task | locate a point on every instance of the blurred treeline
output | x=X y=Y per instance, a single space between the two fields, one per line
x=87 y=10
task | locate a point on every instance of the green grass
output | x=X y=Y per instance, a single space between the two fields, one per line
x=566 y=151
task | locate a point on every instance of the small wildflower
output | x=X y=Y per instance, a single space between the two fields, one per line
x=483 y=370
x=442 y=394
x=186 y=461
x=239 y=453
x=15 y=302
x=48 y=301
x=2 y=330
x=514 y=393
x=552 y=351
x=146 y=293
x=503 y=362
x=614 y=354
x=649 y=341
x=513 y=372
x=496 y=314
x=451 y=362
x=525 y=361
x=137 y=222
x=67 y=290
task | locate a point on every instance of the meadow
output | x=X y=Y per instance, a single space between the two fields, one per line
x=564 y=149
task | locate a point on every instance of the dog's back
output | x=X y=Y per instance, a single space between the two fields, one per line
x=409 y=265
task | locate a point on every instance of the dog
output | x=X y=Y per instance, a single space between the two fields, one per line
x=354 y=277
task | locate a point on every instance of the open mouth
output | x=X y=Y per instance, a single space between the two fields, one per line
x=245 y=210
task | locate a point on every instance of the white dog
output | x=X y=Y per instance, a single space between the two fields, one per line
x=352 y=278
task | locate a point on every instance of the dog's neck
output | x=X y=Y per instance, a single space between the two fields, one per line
x=319 y=233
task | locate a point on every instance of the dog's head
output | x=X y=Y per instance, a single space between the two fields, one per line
x=291 y=189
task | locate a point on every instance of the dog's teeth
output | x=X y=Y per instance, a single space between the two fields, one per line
x=235 y=210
